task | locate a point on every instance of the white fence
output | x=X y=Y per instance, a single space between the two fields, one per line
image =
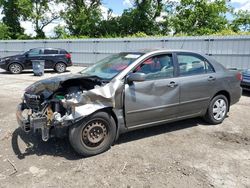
x=232 y=51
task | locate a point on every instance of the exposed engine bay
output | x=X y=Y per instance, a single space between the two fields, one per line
x=51 y=106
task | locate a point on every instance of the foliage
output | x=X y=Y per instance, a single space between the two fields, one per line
x=141 y=18
x=39 y=12
x=241 y=21
x=4 y=31
x=81 y=17
x=199 y=17
x=11 y=18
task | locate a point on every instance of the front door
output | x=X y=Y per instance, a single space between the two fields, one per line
x=33 y=54
x=156 y=99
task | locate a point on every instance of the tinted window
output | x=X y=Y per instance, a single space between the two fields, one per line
x=63 y=52
x=157 y=67
x=46 y=51
x=192 y=65
x=35 y=52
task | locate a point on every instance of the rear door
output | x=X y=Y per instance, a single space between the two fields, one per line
x=50 y=56
x=156 y=99
x=197 y=83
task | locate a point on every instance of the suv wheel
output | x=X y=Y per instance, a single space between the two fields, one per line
x=60 y=67
x=94 y=135
x=217 y=110
x=15 y=68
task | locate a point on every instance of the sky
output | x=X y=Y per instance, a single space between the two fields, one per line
x=118 y=6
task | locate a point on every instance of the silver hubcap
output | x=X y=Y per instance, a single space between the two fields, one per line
x=219 y=109
x=60 y=67
x=15 y=68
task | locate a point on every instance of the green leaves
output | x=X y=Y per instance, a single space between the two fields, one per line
x=199 y=17
x=84 y=18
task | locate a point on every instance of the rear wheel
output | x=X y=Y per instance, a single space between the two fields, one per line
x=93 y=136
x=60 y=67
x=217 y=110
x=15 y=68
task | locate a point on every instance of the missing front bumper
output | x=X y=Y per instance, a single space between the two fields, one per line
x=29 y=123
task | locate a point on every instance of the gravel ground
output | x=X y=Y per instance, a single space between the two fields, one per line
x=184 y=154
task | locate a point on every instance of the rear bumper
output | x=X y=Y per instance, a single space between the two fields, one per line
x=245 y=85
x=235 y=95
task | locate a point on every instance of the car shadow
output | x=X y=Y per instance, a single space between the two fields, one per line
x=160 y=129
x=31 y=72
x=62 y=147
x=35 y=146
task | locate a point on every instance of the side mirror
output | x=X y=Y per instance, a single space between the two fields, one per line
x=27 y=55
x=136 y=77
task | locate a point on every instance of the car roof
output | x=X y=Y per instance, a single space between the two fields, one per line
x=42 y=48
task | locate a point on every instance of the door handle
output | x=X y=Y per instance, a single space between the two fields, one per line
x=172 y=84
x=211 y=78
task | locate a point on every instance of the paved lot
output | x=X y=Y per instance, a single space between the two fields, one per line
x=184 y=154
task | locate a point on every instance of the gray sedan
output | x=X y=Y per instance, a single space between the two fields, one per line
x=128 y=91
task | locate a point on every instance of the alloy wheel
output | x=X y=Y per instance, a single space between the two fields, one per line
x=219 y=109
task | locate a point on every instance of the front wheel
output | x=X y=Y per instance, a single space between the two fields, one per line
x=15 y=68
x=217 y=110
x=93 y=136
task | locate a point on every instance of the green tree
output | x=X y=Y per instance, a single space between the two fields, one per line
x=142 y=17
x=39 y=12
x=199 y=17
x=4 y=32
x=61 y=32
x=241 y=21
x=11 y=18
x=82 y=17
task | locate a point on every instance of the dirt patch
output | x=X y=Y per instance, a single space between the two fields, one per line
x=233 y=137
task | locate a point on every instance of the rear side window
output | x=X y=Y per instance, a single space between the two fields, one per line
x=46 y=51
x=193 y=65
x=63 y=52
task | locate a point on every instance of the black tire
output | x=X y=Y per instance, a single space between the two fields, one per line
x=211 y=114
x=94 y=135
x=60 y=67
x=15 y=68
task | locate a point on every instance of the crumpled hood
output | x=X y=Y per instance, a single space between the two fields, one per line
x=49 y=85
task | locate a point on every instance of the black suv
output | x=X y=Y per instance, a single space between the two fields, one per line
x=55 y=58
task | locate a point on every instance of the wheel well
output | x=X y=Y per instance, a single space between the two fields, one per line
x=16 y=63
x=110 y=111
x=226 y=94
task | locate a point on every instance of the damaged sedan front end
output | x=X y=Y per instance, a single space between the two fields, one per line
x=52 y=105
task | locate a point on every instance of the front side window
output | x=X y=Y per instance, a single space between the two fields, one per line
x=157 y=67
x=35 y=52
x=111 y=66
x=192 y=65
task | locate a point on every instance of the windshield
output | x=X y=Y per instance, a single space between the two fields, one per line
x=110 y=66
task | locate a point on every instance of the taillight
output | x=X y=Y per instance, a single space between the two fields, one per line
x=68 y=56
x=239 y=76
